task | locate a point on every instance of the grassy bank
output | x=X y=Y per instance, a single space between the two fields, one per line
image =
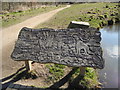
x=56 y=72
x=97 y=14
x=17 y=17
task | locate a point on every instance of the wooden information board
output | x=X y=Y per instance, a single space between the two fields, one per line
x=71 y=47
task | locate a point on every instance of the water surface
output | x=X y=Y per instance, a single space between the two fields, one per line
x=109 y=75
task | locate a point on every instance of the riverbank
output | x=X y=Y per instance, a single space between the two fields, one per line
x=50 y=73
x=97 y=14
x=12 y=18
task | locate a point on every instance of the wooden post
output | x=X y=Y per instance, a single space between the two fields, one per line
x=64 y=79
x=75 y=82
x=28 y=65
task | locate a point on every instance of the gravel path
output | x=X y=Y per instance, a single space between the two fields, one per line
x=9 y=36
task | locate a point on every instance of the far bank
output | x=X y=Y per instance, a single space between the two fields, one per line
x=97 y=14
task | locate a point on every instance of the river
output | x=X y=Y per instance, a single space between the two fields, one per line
x=109 y=75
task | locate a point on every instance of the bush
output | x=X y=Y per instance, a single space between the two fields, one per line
x=105 y=16
x=101 y=17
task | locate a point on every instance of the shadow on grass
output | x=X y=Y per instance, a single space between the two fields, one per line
x=14 y=77
x=74 y=85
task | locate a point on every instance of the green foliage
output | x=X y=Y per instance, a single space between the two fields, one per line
x=105 y=16
x=90 y=80
x=56 y=72
x=101 y=17
x=90 y=73
x=79 y=12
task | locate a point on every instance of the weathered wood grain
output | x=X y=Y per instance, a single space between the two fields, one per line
x=71 y=47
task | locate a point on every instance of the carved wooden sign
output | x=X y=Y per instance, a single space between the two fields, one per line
x=71 y=47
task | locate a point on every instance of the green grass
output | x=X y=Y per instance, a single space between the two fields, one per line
x=90 y=79
x=56 y=72
x=79 y=12
x=17 y=17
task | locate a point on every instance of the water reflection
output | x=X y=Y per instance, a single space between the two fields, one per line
x=109 y=75
x=112 y=28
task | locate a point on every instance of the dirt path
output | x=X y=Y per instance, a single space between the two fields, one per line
x=9 y=36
